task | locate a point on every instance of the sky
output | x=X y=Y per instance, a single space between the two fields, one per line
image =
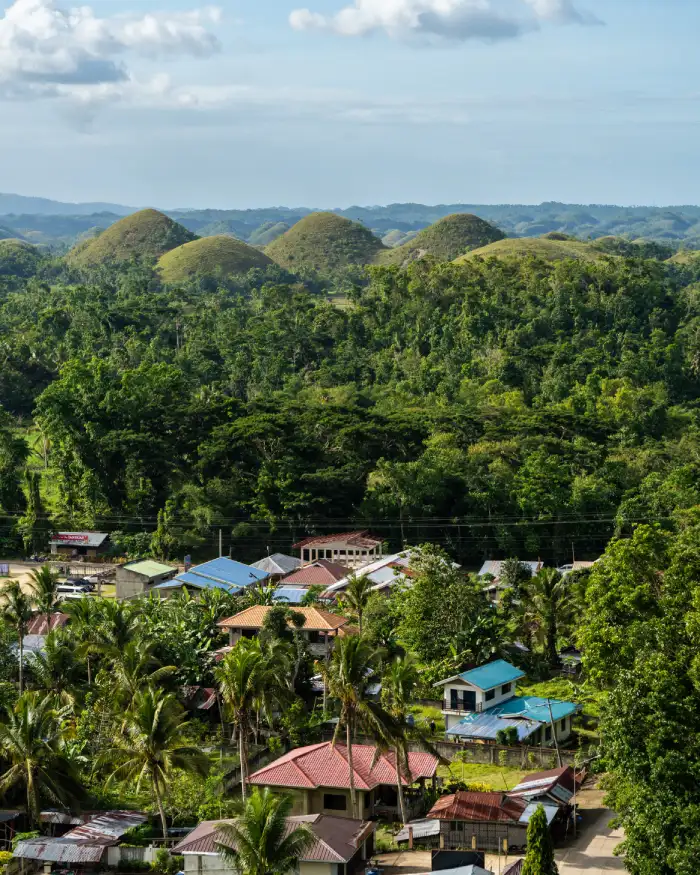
x=330 y=103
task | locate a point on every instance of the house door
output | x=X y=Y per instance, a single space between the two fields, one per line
x=469 y=700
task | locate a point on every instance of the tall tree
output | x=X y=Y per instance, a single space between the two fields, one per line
x=248 y=679
x=547 y=608
x=539 y=857
x=17 y=611
x=348 y=675
x=134 y=668
x=55 y=668
x=153 y=746
x=33 y=742
x=356 y=596
x=259 y=841
x=44 y=583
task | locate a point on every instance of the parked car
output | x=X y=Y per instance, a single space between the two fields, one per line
x=82 y=582
x=71 y=589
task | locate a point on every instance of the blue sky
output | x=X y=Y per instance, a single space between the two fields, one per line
x=336 y=102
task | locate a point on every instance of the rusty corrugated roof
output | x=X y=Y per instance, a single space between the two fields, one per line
x=84 y=844
x=353 y=539
x=481 y=807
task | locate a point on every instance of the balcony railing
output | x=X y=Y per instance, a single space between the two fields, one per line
x=462 y=707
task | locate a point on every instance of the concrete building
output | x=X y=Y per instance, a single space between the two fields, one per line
x=136 y=578
x=353 y=549
x=74 y=544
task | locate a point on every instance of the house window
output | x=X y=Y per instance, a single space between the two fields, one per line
x=563 y=725
x=547 y=733
x=313 y=638
x=334 y=801
x=506 y=688
x=490 y=694
x=341 y=552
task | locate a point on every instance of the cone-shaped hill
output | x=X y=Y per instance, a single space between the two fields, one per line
x=212 y=257
x=445 y=240
x=145 y=235
x=551 y=247
x=18 y=258
x=323 y=242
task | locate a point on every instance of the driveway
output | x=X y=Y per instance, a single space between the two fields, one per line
x=592 y=852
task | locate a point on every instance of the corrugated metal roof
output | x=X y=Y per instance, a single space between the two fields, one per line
x=84 y=844
x=323 y=765
x=555 y=783
x=318 y=573
x=515 y=868
x=221 y=573
x=493 y=566
x=494 y=674
x=486 y=726
x=39 y=626
x=8 y=814
x=291 y=595
x=536 y=708
x=79 y=539
x=336 y=839
x=277 y=563
x=481 y=807
x=149 y=568
x=471 y=869
x=550 y=811
x=422 y=829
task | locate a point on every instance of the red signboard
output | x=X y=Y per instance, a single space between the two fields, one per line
x=72 y=537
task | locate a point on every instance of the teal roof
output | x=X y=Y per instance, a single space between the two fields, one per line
x=149 y=568
x=535 y=708
x=494 y=674
x=525 y=713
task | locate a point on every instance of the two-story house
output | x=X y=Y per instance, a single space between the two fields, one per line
x=352 y=549
x=479 y=703
x=320 y=628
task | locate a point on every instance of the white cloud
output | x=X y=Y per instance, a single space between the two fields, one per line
x=49 y=51
x=449 y=19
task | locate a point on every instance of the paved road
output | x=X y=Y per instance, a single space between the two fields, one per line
x=592 y=852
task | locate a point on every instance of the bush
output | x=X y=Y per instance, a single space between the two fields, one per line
x=165 y=864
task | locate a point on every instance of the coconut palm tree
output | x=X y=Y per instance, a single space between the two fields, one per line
x=250 y=679
x=153 y=746
x=259 y=841
x=398 y=685
x=33 y=742
x=55 y=669
x=17 y=612
x=83 y=628
x=134 y=668
x=348 y=675
x=43 y=582
x=116 y=625
x=546 y=609
x=356 y=596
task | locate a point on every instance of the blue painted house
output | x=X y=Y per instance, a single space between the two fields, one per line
x=477 y=703
x=222 y=573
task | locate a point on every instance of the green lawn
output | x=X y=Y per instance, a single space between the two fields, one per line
x=492 y=776
x=568 y=691
x=423 y=714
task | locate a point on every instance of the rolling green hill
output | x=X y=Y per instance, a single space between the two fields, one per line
x=323 y=242
x=18 y=258
x=267 y=232
x=210 y=257
x=147 y=234
x=548 y=248
x=445 y=240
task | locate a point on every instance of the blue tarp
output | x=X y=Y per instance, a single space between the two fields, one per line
x=486 y=677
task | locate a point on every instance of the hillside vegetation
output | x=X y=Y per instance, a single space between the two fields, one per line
x=18 y=258
x=324 y=242
x=541 y=247
x=445 y=240
x=219 y=256
x=144 y=236
x=268 y=232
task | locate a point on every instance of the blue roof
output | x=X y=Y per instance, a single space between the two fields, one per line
x=292 y=595
x=525 y=713
x=486 y=677
x=221 y=573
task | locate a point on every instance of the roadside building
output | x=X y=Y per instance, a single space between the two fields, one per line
x=73 y=544
x=479 y=703
x=317 y=778
x=353 y=549
x=320 y=628
x=340 y=846
x=222 y=573
x=136 y=578
x=553 y=787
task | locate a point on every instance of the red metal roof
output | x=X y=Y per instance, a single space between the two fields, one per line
x=319 y=573
x=336 y=839
x=39 y=626
x=323 y=765
x=352 y=539
x=482 y=807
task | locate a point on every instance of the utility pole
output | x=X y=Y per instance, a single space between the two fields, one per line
x=554 y=732
x=221 y=548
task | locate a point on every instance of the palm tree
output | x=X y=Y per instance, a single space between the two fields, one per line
x=398 y=684
x=135 y=667
x=55 y=669
x=547 y=608
x=116 y=625
x=32 y=741
x=17 y=611
x=357 y=595
x=348 y=675
x=259 y=841
x=43 y=583
x=83 y=627
x=250 y=680
x=153 y=747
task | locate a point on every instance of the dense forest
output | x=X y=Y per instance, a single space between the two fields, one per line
x=510 y=407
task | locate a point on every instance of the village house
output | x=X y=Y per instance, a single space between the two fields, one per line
x=340 y=846
x=317 y=778
x=320 y=627
x=136 y=578
x=353 y=549
x=38 y=628
x=491 y=570
x=222 y=573
x=71 y=545
x=479 y=703
x=277 y=565
x=321 y=572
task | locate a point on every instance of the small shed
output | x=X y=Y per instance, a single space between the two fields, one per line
x=88 y=544
x=136 y=578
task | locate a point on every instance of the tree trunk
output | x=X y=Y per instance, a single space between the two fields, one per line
x=399 y=788
x=89 y=671
x=161 y=810
x=21 y=662
x=353 y=795
x=243 y=756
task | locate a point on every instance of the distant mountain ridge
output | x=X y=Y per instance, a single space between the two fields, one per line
x=41 y=220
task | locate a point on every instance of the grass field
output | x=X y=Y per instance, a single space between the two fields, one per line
x=539 y=247
x=492 y=776
x=563 y=689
